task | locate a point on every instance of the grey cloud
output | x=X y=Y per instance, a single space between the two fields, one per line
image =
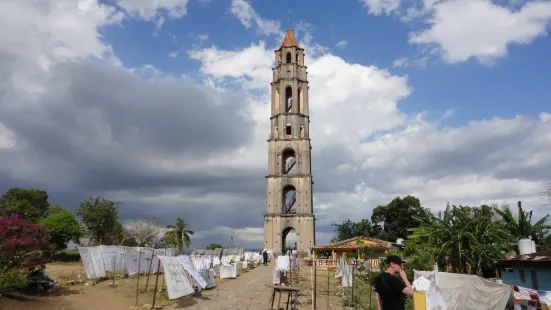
x=97 y=122
x=98 y=129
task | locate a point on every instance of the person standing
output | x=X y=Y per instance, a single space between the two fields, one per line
x=390 y=290
x=265 y=257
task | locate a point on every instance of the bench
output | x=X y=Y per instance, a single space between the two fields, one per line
x=292 y=296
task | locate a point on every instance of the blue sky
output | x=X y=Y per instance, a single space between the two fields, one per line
x=514 y=84
x=443 y=99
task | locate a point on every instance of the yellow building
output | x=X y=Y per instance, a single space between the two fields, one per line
x=358 y=247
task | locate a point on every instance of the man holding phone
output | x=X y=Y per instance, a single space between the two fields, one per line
x=390 y=290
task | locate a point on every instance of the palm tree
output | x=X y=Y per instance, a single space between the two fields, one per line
x=179 y=234
x=520 y=227
x=466 y=239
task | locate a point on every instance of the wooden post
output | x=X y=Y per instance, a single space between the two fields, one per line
x=114 y=264
x=370 y=279
x=328 y=288
x=313 y=284
x=156 y=283
x=163 y=285
x=149 y=271
x=353 y=282
x=138 y=283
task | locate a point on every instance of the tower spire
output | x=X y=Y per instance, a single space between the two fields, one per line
x=289 y=40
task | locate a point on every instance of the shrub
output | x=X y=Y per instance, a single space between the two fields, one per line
x=10 y=280
x=66 y=256
x=22 y=243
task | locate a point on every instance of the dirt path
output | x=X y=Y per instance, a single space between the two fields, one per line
x=247 y=291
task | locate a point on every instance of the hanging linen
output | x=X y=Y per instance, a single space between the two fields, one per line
x=186 y=263
x=92 y=262
x=176 y=279
x=434 y=298
x=525 y=298
x=469 y=292
x=228 y=271
x=347 y=276
x=340 y=268
x=135 y=262
x=276 y=276
x=283 y=263
x=112 y=257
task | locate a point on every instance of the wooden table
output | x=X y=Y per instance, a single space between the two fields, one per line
x=292 y=296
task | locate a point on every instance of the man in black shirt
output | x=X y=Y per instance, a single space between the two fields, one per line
x=389 y=289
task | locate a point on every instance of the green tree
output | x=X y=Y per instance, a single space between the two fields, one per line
x=31 y=204
x=520 y=226
x=100 y=217
x=398 y=217
x=349 y=229
x=179 y=234
x=214 y=246
x=62 y=226
x=465 y=239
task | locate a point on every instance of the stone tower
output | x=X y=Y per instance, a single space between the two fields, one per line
x=289 y=179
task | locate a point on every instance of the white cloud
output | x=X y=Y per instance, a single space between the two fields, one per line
x=459 y=30
x=7 y=139
x=480 y=29
x=242 y=237
x=154 y=9
x=399 y=63
x=378 y=7
x=247 y=15
x=342 y=44
x=251 y=66
x=173 y=54
x=55 y=30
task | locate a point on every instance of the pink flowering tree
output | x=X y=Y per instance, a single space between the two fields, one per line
x=22 y=243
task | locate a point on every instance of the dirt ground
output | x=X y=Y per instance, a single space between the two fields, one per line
x=248 y=291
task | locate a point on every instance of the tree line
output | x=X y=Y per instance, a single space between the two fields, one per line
x=461 y=239
x=96 y=219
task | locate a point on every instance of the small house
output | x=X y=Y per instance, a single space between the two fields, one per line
x=528 y=270
x=329 y=255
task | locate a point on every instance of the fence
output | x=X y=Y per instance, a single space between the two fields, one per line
x=361 y=295
x=318 y=281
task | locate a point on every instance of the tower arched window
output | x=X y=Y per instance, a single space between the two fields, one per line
x=288 y=99
x=288 y=58
x=289 y=161
x=289 y=198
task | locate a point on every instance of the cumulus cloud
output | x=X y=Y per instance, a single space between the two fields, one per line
x=378 y=7
x=247 y=16
x=77 y=123
x=459 y=30
x=481 y=29
x=154 y=9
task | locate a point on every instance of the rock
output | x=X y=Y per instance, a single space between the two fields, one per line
x=71 y=283
x=158 y=307
x=147 y=306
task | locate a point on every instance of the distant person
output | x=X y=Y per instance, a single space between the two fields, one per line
x=265 y=257
x=390 y=290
